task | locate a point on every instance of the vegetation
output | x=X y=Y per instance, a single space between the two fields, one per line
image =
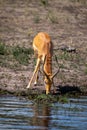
x=3 y=50
x=80 y=1
x=44 y=2
x=36 y=18
x=53 y=17
x=21 y=54
x=86 y=69
x=10 y=54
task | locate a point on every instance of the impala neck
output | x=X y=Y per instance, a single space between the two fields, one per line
x=48 y=65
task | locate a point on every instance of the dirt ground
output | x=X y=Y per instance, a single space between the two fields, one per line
x=65 y=21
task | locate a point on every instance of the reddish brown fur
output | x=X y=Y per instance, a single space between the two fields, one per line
x=43 y=47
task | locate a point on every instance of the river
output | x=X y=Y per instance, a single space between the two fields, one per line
x=22 y=114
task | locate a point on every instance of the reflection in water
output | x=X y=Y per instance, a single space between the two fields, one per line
x=41 y=116
x=22 y=114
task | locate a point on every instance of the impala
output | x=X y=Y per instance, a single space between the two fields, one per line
x=43 y=47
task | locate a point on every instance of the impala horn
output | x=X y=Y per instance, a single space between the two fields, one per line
x=44 y=71
x=58 y=67
x=54 y=73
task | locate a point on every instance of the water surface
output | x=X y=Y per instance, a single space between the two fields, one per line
x=22 y=114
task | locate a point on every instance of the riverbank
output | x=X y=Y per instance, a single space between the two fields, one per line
x=66 y=23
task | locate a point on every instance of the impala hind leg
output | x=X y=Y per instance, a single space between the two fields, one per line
x=35 y=71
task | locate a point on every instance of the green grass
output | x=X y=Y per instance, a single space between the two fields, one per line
x=53 y=17
x=36 y=19
x=65 y=55
x=43 y=98
x=21 y=54
x=4 y=55
x=86 y=69
x=79 y=1
x=63 y=99
x=3 y=50
x=10 y=56
x=44 y=2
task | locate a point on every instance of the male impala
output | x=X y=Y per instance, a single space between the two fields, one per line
x=43 y=47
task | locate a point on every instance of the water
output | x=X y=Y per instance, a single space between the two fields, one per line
x=22 y=114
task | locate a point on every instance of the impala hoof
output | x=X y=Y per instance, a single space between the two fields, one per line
x=28 y=87
x=35 y=84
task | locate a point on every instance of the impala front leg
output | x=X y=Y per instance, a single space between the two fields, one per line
x=37 y=77
x=35 y=71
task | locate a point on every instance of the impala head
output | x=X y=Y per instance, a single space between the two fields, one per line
x=48 y=83
x=49 y=79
